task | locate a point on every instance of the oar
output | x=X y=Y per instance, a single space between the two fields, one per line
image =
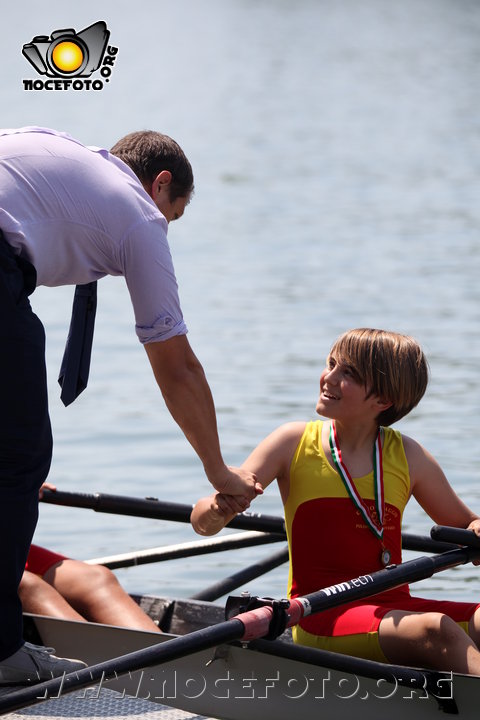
x=252 y=624
x=455 y=536
x=162 y=510
x=232 y=582
x=188 y=549
x=155 y=509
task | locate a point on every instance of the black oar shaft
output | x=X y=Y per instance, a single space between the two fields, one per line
x=155 y=655
x=455 y=535
x=422 y=543
x=119 y=504
x=222 y=587
x=161 y=510
x=391 y=577
x=155 y=509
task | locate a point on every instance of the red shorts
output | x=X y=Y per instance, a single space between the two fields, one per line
x=353 y=629
x=40 y=560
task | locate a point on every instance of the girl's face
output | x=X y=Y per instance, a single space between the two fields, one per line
x=343 y=395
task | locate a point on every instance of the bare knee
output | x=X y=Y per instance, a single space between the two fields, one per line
x=438 y=630
x=29 y=582
x=81 y=583
x=474 y=627
x=37 y=596
x=98 y=581
x=31 y=587
x=419 y=638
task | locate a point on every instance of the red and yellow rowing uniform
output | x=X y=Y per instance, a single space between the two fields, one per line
x=330 y=543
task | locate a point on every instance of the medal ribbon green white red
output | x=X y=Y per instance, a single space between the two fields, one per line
x=376 y=526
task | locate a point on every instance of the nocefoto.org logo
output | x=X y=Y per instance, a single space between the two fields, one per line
x=70 y=58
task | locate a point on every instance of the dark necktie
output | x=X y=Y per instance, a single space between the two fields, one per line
x=76 y=358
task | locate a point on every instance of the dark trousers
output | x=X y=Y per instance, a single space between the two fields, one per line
x=25 y=435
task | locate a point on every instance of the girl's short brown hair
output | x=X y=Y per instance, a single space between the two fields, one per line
x=390 y=365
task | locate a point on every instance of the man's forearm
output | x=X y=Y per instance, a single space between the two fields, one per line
x=186 y=392
x=188 y=397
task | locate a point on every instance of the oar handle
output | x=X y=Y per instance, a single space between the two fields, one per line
x=155 y=509
x=162 y=510
x=260 y=612
x=459 y=536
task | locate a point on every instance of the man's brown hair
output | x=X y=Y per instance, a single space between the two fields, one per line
x=148 y=152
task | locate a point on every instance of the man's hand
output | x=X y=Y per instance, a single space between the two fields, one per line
x=226 y=505
x=237 y=482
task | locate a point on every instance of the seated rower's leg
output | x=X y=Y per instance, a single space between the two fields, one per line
x=95 y=593
x=429 y=639
x=38 y=597
x=474 y=627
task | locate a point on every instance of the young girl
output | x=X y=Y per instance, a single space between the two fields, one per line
x=344 y=484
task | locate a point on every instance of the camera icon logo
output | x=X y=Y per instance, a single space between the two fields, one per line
x=66 y=53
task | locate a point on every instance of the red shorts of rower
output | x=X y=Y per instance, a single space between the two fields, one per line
x=40 y=560
x=353 y=628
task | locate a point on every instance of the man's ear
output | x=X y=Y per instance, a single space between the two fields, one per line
x=160 y=184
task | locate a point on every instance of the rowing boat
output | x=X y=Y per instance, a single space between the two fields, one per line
x=259 y=679
x=264 y=678
x=225 y=668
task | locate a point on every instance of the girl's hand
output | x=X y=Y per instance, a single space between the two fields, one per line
x=475 y=526
x=46 y=486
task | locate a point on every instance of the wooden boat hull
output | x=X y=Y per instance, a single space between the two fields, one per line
x=235 y=682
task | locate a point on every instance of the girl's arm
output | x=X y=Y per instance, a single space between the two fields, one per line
x=271 y=460
x=434 y=493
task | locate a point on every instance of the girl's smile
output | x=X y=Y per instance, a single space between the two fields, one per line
x=341 y=392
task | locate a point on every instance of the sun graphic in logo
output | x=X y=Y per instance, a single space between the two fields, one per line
x=67 y=56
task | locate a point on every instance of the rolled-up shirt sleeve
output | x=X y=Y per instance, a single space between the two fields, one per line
x=150 y=277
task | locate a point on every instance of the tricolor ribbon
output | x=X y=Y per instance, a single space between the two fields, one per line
x=376 y=526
